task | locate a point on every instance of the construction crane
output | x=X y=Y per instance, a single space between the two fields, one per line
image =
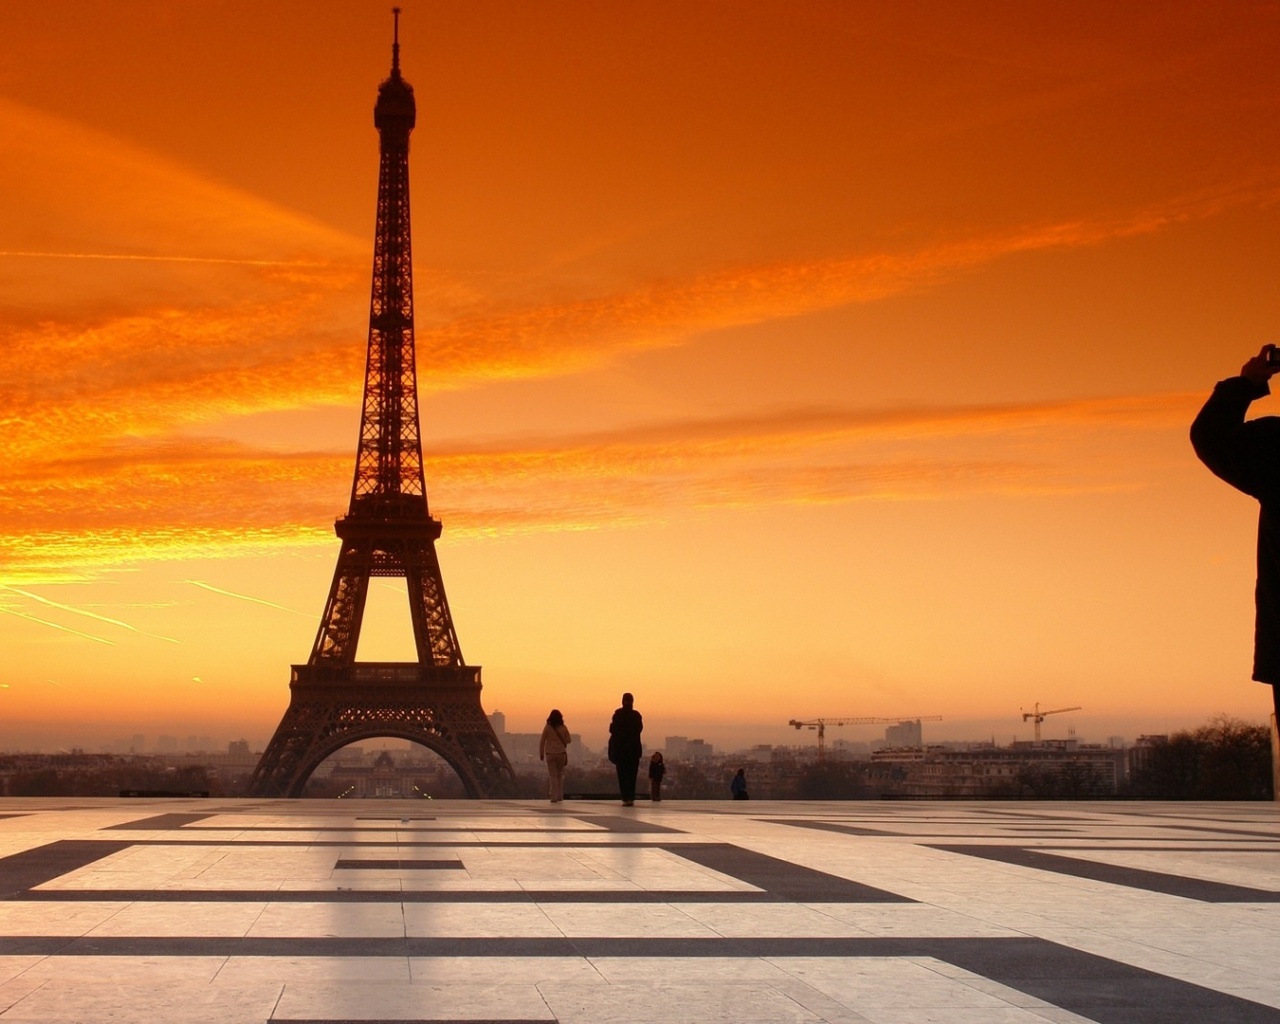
x=821 y=725
x=1037 y=716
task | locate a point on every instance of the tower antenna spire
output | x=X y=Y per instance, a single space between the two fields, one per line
x=395 y=43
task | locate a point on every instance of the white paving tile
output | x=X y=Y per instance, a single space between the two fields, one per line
x=481 y=1000
x=302 y=970
x=330 y=920
x=517 y=920
x=620 y=920
x=161 y=999
x=531 y=970
x=656 y=1003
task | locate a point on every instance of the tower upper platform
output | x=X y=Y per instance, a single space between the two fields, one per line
x=395 y=109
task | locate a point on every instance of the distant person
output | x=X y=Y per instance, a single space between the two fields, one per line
x=553 y=747
x=657 y=769
x=625 y=748
x=1247 y=456
x=738 y=787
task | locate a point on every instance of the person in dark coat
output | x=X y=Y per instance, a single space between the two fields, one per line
x=738 y=787
x=657 y=769
x=625 y=748
x=1246 y=454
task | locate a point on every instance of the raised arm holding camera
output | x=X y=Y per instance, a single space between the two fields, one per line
x=1246 y=454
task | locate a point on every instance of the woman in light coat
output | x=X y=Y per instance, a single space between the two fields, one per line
x=553 y=748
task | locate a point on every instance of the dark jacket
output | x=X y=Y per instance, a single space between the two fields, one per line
x=624 y=736
x=1247 y=456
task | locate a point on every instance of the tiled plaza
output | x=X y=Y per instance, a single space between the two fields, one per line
x=587 y=912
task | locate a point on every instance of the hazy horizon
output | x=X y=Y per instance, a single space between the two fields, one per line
x=723 y=738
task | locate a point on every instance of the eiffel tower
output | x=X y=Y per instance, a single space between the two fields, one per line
x=388 y=531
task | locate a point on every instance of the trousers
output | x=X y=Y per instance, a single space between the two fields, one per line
x=627 y=769
x=555 y=775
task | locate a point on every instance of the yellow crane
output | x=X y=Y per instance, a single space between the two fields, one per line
x=821 y=724
x=1037 y=715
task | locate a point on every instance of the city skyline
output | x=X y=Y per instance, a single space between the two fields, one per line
x=774 y=364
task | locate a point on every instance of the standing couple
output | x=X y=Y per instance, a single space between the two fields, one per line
x=624 y=752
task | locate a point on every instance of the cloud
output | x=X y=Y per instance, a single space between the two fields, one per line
x=567 y=336
x=140 y=296
x=144 y=298
x=121 y=503
x=70 y=189
x=145 y=301
x=243 y=597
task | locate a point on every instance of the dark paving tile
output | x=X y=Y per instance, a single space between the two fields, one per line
x=1130 y=878
x=916 y=831
x=157 y=822
x=34 y=945
x=619 y=823
x=358 y=864
x=1102 y=990
x=34 y=867
x=831 y=826
x=781 y=877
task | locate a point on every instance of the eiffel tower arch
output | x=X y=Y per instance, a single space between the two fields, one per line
x=388 y=531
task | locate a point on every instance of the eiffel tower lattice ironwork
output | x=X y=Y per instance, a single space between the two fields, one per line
x=389 y=532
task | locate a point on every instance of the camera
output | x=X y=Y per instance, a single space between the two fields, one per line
x=1273 y=355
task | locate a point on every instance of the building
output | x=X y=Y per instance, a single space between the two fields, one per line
x=1061 y=769
x=681 y=748
x=904 y=734
x=384 y=779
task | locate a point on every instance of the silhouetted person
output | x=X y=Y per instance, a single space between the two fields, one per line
x=625 y=748
x=1247 y=456
x=738 y=787
x=553 y=747
x=657 y=769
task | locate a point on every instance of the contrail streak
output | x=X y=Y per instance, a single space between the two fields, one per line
x=87 y=614
x=65 y=629
x=138 y=257
x=245 y=597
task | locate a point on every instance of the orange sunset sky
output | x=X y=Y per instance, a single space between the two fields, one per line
x=776 y=359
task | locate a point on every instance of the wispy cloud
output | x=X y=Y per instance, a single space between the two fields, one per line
x=83 y=612
x=140 y=258
x=57 y=626
x=567 y=336
x=243 y=597
x=141 y=506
